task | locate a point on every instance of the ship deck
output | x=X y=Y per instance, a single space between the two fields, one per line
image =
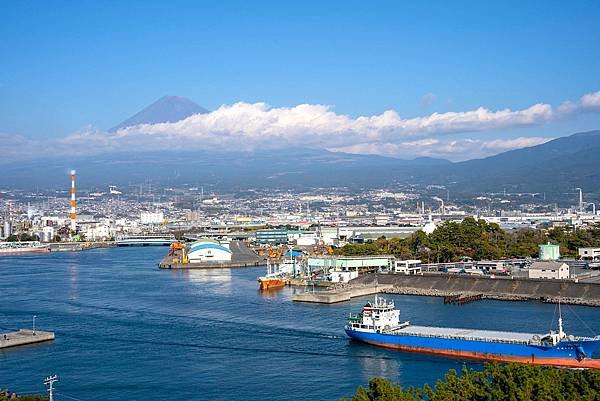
x=466 y=334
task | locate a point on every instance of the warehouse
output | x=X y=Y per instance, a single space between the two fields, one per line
x=549 y=270
x=207 y=250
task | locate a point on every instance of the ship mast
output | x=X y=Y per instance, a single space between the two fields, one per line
x=561 y=333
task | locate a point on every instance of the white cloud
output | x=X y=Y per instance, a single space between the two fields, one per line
x=257 y=124
x=591 y=101
x=250 y=126
x=588 y=102
x=459 y=149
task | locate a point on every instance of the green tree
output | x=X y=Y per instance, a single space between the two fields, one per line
x=497 y=382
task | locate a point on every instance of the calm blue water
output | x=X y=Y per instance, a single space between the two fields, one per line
x=127 y=330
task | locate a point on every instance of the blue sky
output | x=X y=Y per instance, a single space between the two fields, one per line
x=73 y=66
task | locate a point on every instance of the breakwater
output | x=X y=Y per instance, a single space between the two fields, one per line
x=510 y=289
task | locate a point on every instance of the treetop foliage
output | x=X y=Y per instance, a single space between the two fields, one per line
x=510 y=382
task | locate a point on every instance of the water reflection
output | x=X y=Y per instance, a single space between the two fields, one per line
x=218 y=281
x=378 y=367
x=270 y=293
x=73 y=270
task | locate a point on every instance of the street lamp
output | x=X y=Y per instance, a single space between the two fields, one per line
x=34 y=316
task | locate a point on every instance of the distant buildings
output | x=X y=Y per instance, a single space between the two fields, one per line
x=152 y=218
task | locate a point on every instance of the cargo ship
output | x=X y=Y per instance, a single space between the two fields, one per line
x=379 y=324
x=23 y=247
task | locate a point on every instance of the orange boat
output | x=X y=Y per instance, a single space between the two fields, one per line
x=273 y=279
x=267 y=283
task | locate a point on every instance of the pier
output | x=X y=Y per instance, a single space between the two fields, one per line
x=339 y=294
x=24 y=337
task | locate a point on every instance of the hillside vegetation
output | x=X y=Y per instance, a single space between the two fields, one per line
x=476 y=239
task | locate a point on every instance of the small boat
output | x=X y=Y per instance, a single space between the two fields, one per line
x=22 y=247
x=270 y=282
x=379 y=324
x=273 y=279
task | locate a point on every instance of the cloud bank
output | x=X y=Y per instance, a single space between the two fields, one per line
x=252 y=126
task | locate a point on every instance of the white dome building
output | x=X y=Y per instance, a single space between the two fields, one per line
x=207 y=250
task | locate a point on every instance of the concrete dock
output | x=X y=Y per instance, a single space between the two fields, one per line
x=340 y=294
x=24 y=337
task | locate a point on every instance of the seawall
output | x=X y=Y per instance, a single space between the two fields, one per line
x=491 y=288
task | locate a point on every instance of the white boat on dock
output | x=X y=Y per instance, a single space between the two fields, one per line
x=22 y=247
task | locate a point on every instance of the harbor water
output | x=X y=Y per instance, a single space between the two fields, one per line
x=126 y=330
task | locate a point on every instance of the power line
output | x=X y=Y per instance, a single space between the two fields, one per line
x=69 y=396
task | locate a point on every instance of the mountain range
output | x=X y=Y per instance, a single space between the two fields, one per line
x=556 y=166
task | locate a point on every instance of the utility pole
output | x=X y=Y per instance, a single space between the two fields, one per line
x=50 y=380
x=33 y=328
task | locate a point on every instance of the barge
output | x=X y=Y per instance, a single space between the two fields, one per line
x=146 y=240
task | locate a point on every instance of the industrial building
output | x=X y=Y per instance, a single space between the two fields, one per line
x=350 y=263
x=343 y=277
x=208 y=250
x=589 y=253
x=549 y=252
x=411 y=266
x=549 y=270
x=274 y=236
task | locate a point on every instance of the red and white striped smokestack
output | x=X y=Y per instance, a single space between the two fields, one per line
x=73 y=203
